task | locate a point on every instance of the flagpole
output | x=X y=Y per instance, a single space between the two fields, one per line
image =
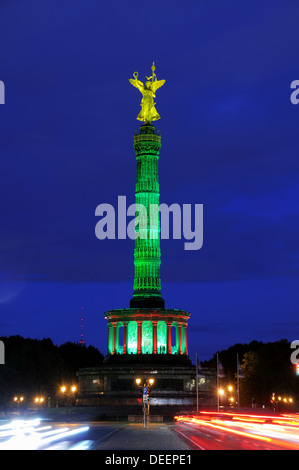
x=238 y=383
x=196 y=384
x=217 y=384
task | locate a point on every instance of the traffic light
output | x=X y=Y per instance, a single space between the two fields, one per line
x=297 y=368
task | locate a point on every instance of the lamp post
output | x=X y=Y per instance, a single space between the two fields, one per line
x=231 y=398
x=39 y=400
x=145 y=385
x=18 y=400
x=220 y=394
x=68 y=392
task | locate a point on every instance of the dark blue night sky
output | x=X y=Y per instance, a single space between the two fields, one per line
x=230 y=141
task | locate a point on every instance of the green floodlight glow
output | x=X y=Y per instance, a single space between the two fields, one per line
x=147 y=254
x=132 y=337
x=161 y=337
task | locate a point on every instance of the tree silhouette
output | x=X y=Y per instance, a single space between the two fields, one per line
x=267 y=369
x=39 y=367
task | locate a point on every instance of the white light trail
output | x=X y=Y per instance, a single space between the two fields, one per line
x=29 y=435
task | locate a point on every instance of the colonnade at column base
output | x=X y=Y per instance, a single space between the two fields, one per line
x=147 y=332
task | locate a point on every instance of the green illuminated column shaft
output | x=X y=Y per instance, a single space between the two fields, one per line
x=147 y=254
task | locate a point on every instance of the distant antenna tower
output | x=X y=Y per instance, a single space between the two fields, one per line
x=81 y=337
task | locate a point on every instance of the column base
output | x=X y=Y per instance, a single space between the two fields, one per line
x=175 y=360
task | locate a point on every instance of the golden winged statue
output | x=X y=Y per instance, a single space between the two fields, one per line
x=148 y=111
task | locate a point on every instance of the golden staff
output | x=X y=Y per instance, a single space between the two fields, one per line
x=153 y=70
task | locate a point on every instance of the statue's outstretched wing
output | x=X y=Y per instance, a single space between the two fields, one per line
x=157 y=84
x=137 y=84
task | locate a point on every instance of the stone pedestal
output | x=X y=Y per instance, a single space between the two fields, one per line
x=112 y=387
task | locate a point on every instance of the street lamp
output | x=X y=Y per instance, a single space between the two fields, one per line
x=39 y=400
x=68 y=392
x=65 y=390
x=147 y=383
x=220 y=393
x=18 y=400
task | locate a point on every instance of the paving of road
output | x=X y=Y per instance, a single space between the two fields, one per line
x=134 y=436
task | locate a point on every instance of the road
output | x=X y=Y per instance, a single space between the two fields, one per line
x=39 y=434
x=236 y=431
x=35 y=434
x=205 y=431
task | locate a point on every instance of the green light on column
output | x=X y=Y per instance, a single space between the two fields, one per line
x=119 y=347
x=161 y=337
x=147 y=337
x=132 y=337
x=147 y=254
x=117 y=339
x=183 y=341
x=175 y=348
x=110 y=339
